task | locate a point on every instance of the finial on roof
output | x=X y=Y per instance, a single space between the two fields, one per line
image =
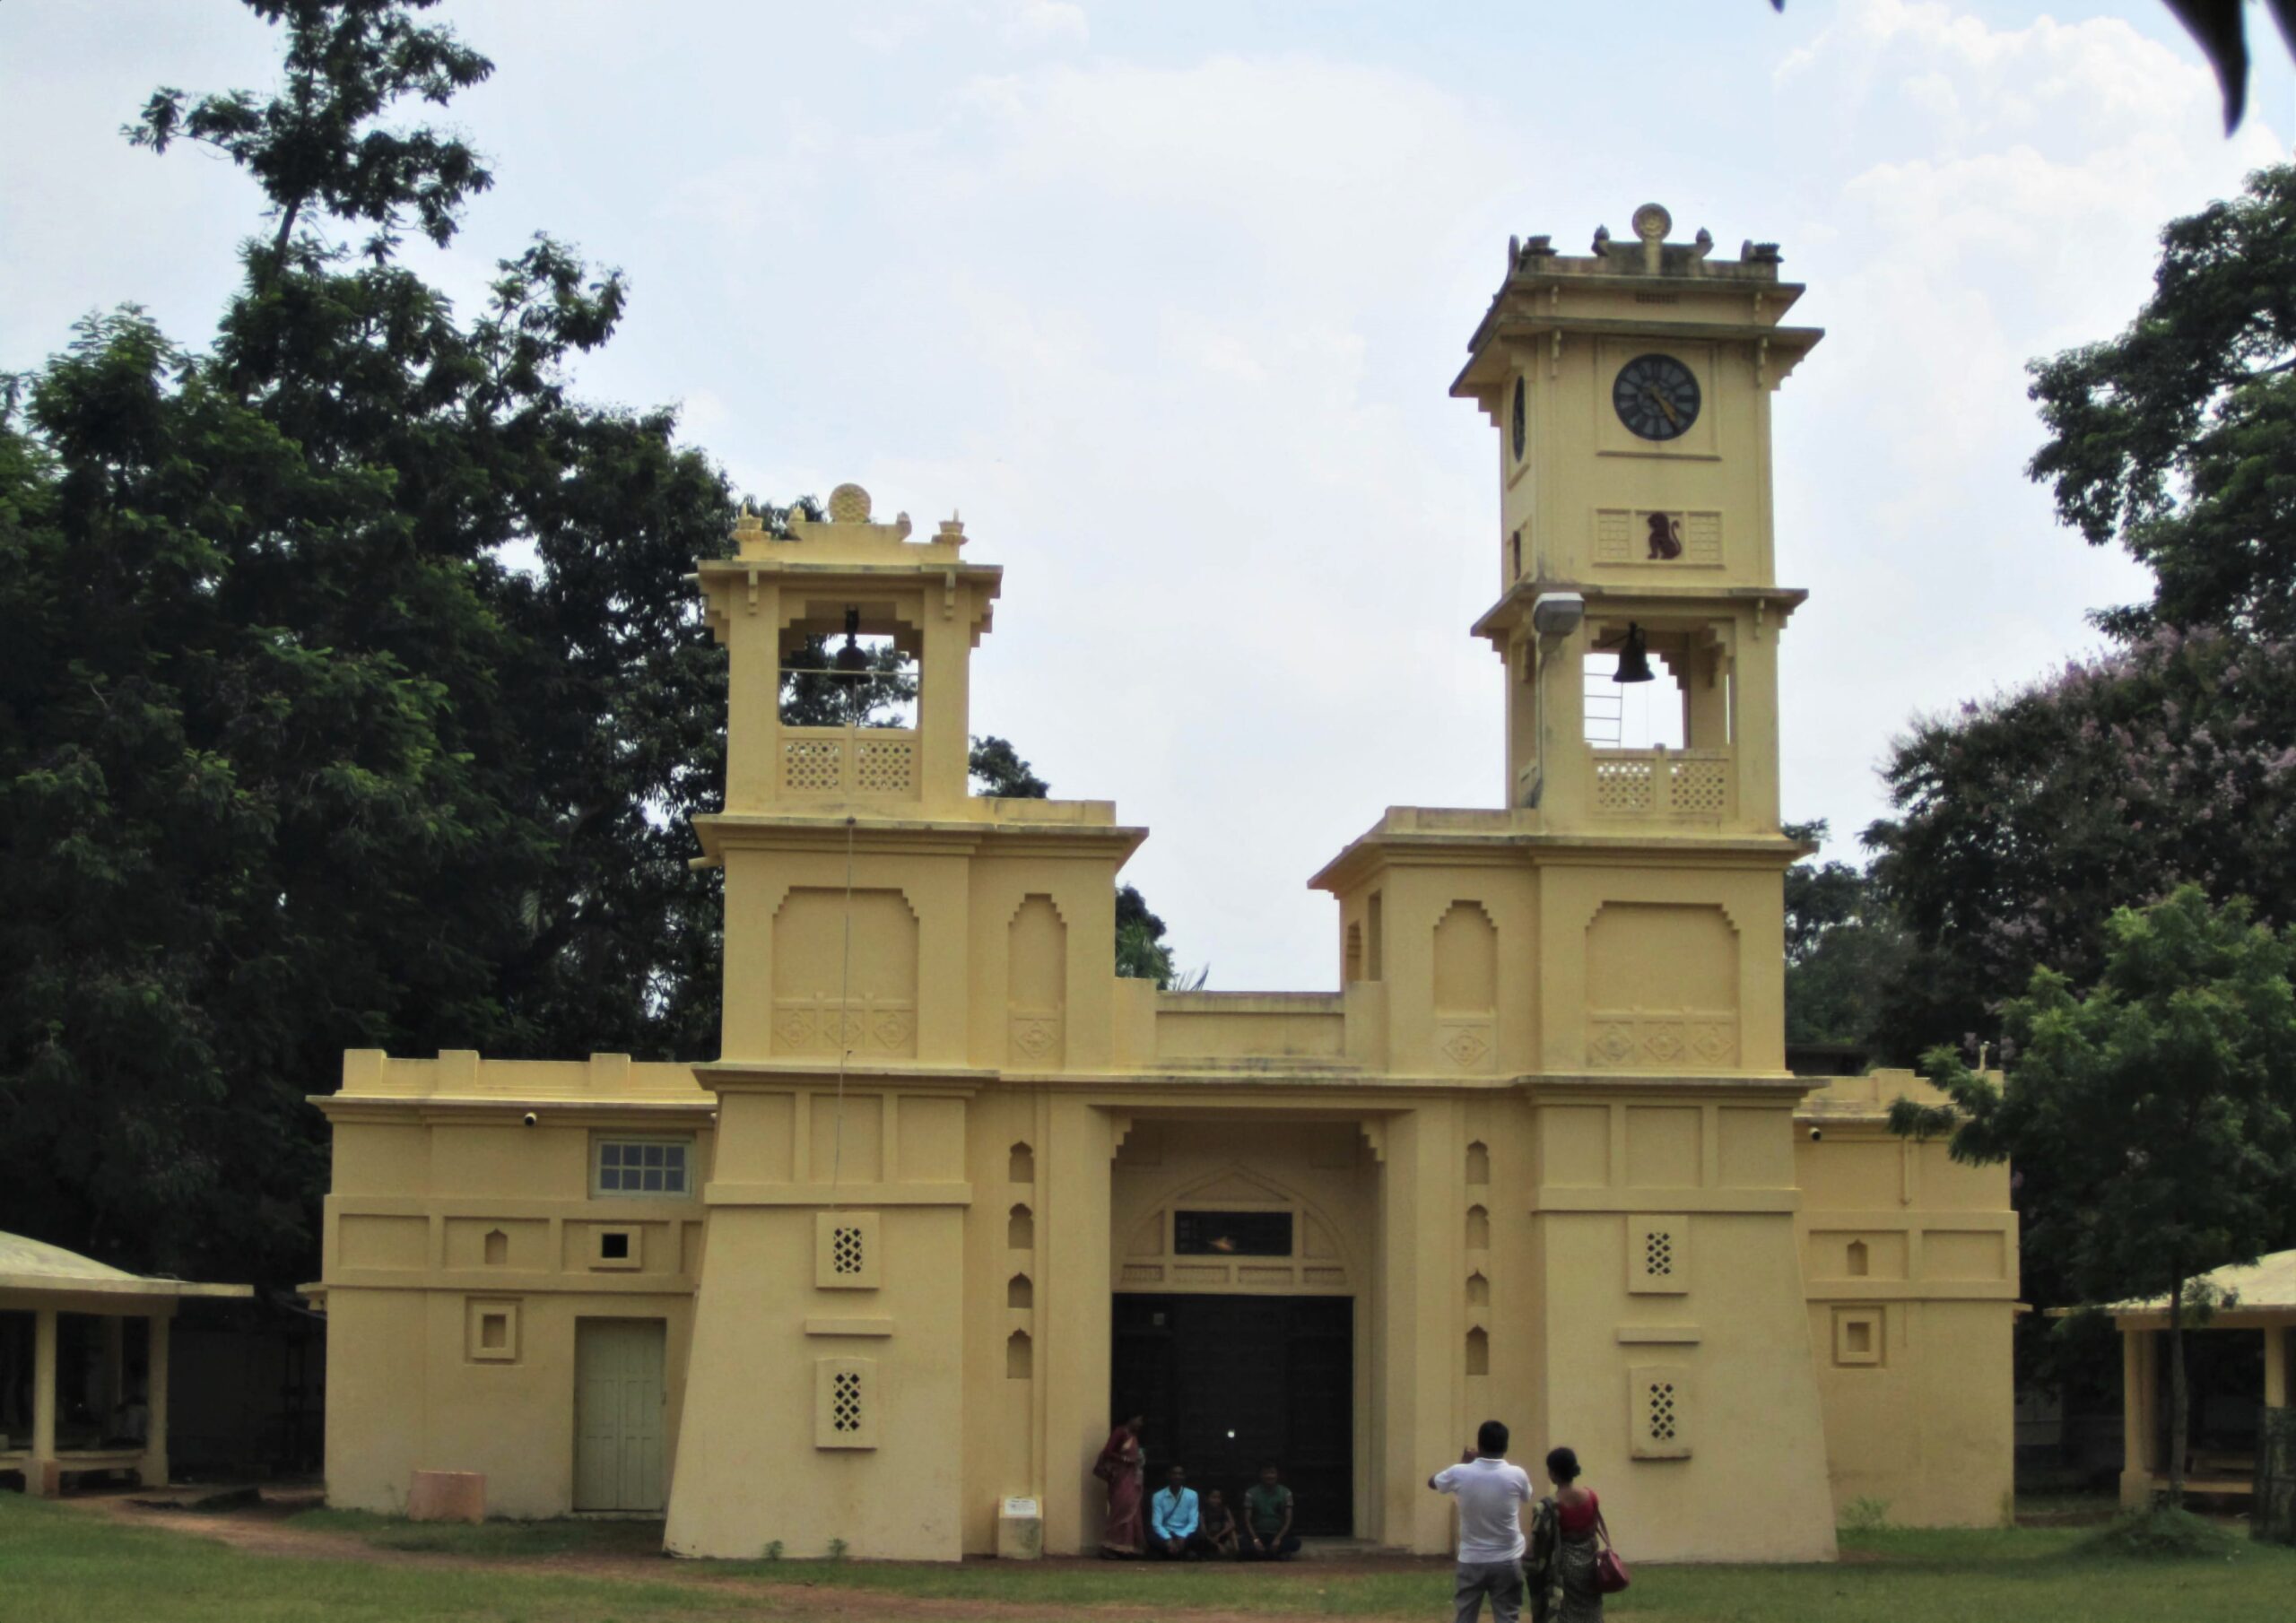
x=952 y=530
x=1602 y=241
x=848 y=504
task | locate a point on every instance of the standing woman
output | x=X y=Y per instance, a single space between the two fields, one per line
x=1123 y=1466
x=1579 y=1525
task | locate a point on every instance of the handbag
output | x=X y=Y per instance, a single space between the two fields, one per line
x=1610 y=1573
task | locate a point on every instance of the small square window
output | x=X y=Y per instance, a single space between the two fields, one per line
x=661 y=1168
x=1857 y=1337
x=489 y=1330
x=618 y=1248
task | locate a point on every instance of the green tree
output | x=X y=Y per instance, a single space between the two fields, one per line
x=998 y=769
x=2159 y=1108
x=2020 y=821
x=291 y=758
x=1844 y=948
x=2173 y=439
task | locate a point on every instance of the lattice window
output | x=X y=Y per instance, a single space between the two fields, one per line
x=812 y=765
x=846 y=1251
x=1662 y=1412
x=1702 y=538
x=1657 y=1256
x=1625 y=786
x=1699 y=787
x=846 y=1401
x=1658 y=1406
x=1658 y=1253
x=883 y=766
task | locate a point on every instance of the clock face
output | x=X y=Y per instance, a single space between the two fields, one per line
x=1656 y=396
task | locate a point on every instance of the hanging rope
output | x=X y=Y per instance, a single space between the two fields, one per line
x=845 y=968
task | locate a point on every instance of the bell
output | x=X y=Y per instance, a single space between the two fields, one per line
x=851 y=661
x=1633 y=660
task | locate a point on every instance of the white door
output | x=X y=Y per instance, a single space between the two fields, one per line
x=618 y=1400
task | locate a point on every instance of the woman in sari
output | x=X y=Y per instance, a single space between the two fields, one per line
x=1123 y=1466
x=1579 y=1533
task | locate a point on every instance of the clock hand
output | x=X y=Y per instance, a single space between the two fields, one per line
x=1662 y=403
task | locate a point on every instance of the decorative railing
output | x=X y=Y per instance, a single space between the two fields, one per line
x=836 y=762
x=1663 y=783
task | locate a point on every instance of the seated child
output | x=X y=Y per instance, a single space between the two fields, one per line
x=1220 y=1523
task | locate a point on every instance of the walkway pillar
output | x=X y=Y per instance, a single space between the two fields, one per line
x=42 y=1477
x=153 y=1472
x=2276 y=1365
x=2136 y=1419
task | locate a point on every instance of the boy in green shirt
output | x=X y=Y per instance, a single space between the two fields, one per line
x=1267 y=1519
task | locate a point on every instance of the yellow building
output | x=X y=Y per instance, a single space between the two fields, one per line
x=953 y=1192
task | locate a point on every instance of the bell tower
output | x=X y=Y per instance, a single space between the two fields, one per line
x=1630 y=388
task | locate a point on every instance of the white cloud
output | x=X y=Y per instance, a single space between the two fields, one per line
x=1172 y=324
x=2001 y=201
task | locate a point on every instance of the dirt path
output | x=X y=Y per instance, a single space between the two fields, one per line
x=267 y=1530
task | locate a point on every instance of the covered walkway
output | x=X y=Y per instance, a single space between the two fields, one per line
x=84 y=1365
x=2239 y=1362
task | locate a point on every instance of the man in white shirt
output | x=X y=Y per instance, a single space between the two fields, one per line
x=1491 y=1493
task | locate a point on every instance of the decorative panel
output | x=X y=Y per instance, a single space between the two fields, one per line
x=830 y=994
x=1036 y=988
x=1637 y=1039
x=1662 y=982
x=1676 y=537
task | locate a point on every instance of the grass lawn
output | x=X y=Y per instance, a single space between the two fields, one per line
x=74 y=1565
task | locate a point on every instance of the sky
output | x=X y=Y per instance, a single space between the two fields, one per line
x=1166 y=301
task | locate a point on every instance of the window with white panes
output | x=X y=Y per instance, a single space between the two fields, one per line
x=661 y=1168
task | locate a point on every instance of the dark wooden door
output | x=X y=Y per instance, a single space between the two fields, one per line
x=1228 y=1381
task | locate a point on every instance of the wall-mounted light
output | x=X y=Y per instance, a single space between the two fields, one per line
x=1557 y=613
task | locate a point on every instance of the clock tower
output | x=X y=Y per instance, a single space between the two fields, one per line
x=1631 y=391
